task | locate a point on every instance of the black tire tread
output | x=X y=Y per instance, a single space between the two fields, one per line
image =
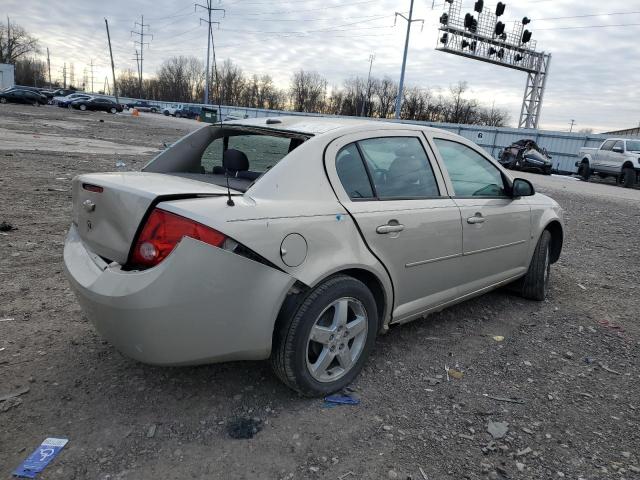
x=629 y=177
x=283 y=349
x=533 y=282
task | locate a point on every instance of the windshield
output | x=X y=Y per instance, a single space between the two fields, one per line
x=633 y=145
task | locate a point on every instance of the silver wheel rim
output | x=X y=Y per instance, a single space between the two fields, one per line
x=336 y=340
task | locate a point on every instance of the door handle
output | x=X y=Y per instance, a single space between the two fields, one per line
x=477 y=218
x=390 y=228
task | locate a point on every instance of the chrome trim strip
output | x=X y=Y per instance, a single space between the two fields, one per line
x=423 y=262
x=495 y=248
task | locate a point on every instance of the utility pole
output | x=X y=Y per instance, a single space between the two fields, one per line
x=91 y=65
x=72 y=75
x=8 y=40
x=371 y=58
x=409 y=20
x=113 y=68
x=209 y=9
x=573 y=122
x=49 y=67
x=64 y=75
x=142 y=43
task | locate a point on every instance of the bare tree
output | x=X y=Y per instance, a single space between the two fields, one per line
x=386 y=90
x=308 y=91
x=30 y=72
x=180 y=79
x=15 y=43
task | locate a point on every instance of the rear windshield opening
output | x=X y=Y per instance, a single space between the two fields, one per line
x=262 y=151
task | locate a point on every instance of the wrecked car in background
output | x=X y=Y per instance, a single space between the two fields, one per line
x=526 y=155
x=300 y=240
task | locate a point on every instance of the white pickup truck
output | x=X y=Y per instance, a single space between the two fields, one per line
x=616 y=157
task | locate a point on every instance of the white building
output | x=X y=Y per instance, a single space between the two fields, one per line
x=7 y=75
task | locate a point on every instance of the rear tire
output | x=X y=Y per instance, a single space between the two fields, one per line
x=584 y=171
x=628 y=178
x=113 y=110
x=536 y=282
x=3 y=100
x=83 y=107
x=178 y=115
x=330 y=335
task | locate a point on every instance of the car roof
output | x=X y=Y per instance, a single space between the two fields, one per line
x=320 y=125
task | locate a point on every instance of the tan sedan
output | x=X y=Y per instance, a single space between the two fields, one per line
x=300 y=239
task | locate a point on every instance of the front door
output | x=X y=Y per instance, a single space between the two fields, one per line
x=397 y=197
x=496 y=227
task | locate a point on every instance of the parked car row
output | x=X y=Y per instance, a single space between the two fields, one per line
x=22 y=95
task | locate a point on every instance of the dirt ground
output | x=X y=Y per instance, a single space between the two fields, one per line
x=568 y=366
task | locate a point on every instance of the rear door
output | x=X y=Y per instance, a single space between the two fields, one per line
x=388 y=183
x=496 y=228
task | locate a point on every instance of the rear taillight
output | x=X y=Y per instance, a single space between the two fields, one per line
x=163 y=231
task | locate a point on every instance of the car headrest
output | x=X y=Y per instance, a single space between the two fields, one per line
x=235 y=160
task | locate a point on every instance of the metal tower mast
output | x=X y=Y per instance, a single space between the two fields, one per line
x=142 y=43
x=208 y=21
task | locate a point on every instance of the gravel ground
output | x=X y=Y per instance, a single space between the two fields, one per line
x=568 y=366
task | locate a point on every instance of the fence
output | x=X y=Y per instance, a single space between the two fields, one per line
x=562 y=146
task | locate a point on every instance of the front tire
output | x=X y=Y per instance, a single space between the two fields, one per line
x=113 y=110
x=535 y=283
x=3 y=100
x=83 y=107
x=323 y=346
x=628 y=178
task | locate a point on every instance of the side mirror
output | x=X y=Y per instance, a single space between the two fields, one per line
x=618 y=149
x=522 y=188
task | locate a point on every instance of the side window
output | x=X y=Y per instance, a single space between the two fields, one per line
x=399 y=168
x=352 y=173
x=471 y=174
x=608 y=145
x=619 y=144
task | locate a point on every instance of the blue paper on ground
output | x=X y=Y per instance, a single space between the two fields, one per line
x=40 y=458
x=333 y=400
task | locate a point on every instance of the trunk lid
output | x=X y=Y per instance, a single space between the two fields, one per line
x=109 y=207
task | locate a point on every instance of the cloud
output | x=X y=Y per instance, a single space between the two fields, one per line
x=593 y=77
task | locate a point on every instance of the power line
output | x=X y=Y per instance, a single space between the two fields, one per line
x=588 y=15
x=592 y=26
x=281 y=12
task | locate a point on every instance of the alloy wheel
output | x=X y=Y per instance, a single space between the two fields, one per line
x=337 y=339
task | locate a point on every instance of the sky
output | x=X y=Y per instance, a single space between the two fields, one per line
x=593 y=78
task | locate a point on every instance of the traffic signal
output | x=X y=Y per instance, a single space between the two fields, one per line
x=492 y=51
x=501 y=53
x=444 y=18
x=526 y=36
x=499 y=28
x=444 y=39
x=500 y=9
x=526 y=20
x=470 y=45
x=518 y=57
x=468 y=19
x=479 y=6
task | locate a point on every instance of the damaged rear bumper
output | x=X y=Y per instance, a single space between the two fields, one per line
x=200 y=305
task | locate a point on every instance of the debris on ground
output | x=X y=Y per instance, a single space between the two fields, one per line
x=6 y=227
x=607 y=369
x=454 y=373
x=40 y=458
x=152 y=431
x=497 y=429
x=17 y=393
x=7 y=319
x=582 y=286
x=243 y=427
x=503 y=399
x=334 y=400
x=498 y=338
